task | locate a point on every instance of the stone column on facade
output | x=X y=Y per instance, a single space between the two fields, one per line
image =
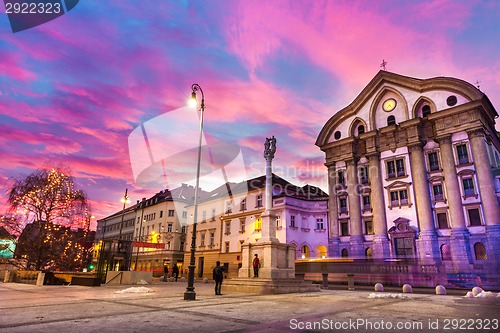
x=333 y=214
x=487 y=194
x=459 y=237
x=381 y=248
x=428 y=249
x=356 y=230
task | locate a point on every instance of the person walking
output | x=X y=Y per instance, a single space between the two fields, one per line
x=218 y=276
x=175 y=272
x=256 y=265
x=165 y=273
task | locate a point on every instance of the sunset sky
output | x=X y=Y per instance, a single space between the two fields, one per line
x=74 y=89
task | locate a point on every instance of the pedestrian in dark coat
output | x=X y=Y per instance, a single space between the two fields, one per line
x=218 y=276
x=175 y=272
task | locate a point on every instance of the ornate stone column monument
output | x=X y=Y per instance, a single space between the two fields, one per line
x=277 y=260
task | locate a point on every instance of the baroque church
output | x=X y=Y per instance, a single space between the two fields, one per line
x=414 y=175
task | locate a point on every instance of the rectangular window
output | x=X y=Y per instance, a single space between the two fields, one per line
x=433 y=161
x=229 y=207
x=213 y=214
x=259 y=201
x=212 y=238
x=258 y=224
x=181 y=247
x=202 y=240
x=366 y=202
x=394 y=199
x=278 y=221
x=343 y=205
x=228 y=227
x=463 y=156
x=170 y=212
x=292 y=221
x=242 y=225
x=204 y=216
x=341 y=178
x=474 y=217
x=243 y=204
x=319 y=224
x=442 y=220
x=400 y=167
x=226 y=247
x=161 y=213
x=363 y=174
x=403 y=197
x=183 y=229
x=391 y=169
x=369 y=227
x=184 y=214
x=344 y=228
x=438 y=192
x=169 y=227
x=403 y=247
x=468 y=187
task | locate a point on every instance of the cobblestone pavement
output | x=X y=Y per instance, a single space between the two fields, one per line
x=28 y=308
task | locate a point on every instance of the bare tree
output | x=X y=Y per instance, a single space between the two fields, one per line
x=47 y=202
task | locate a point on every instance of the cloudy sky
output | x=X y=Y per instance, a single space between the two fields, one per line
x=84 y=88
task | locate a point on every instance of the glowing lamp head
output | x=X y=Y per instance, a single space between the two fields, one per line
x=192 y=101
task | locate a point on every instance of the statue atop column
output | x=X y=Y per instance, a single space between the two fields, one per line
x=269 y=148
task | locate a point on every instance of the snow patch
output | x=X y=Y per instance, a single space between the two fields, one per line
x=481 y=294
x=378 y=295
x=134 y=290
x=141 y=282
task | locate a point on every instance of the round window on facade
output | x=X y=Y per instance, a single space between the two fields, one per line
x=337 y=135
x=452 y=100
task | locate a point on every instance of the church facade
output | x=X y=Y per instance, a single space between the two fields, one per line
x=414 y=175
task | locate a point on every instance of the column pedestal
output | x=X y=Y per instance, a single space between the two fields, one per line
x=334 y=247
x=381 y=248
x=493 y=249
x=460 y=250
x=356 y=243
x=427 y=247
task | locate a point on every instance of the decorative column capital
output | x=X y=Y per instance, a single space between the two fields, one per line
x=351 y=162
x=415 y=147
x=446 y=139
x=478 y=132
x=373 y=156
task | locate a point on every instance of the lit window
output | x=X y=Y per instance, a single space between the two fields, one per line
x=369 y=227
x=278 y=221
x=258 y=223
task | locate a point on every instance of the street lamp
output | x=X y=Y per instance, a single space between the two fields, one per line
x=190 y=294
x=125 y=201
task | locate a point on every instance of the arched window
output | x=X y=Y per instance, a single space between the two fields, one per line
x=305 y=251
x=480 y=251
x=361 y=129
x=369 y=252
x=344 y=253
x=426 y=110
x=391 y=120
x=445 y=252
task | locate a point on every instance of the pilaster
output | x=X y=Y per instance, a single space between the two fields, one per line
x=356 y=230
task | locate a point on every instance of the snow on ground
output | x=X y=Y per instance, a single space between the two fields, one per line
x=482 y=294
x=380 y=295
x=134 y=290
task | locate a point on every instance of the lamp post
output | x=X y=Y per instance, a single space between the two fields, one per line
x=190 y=294
x=125 y=201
